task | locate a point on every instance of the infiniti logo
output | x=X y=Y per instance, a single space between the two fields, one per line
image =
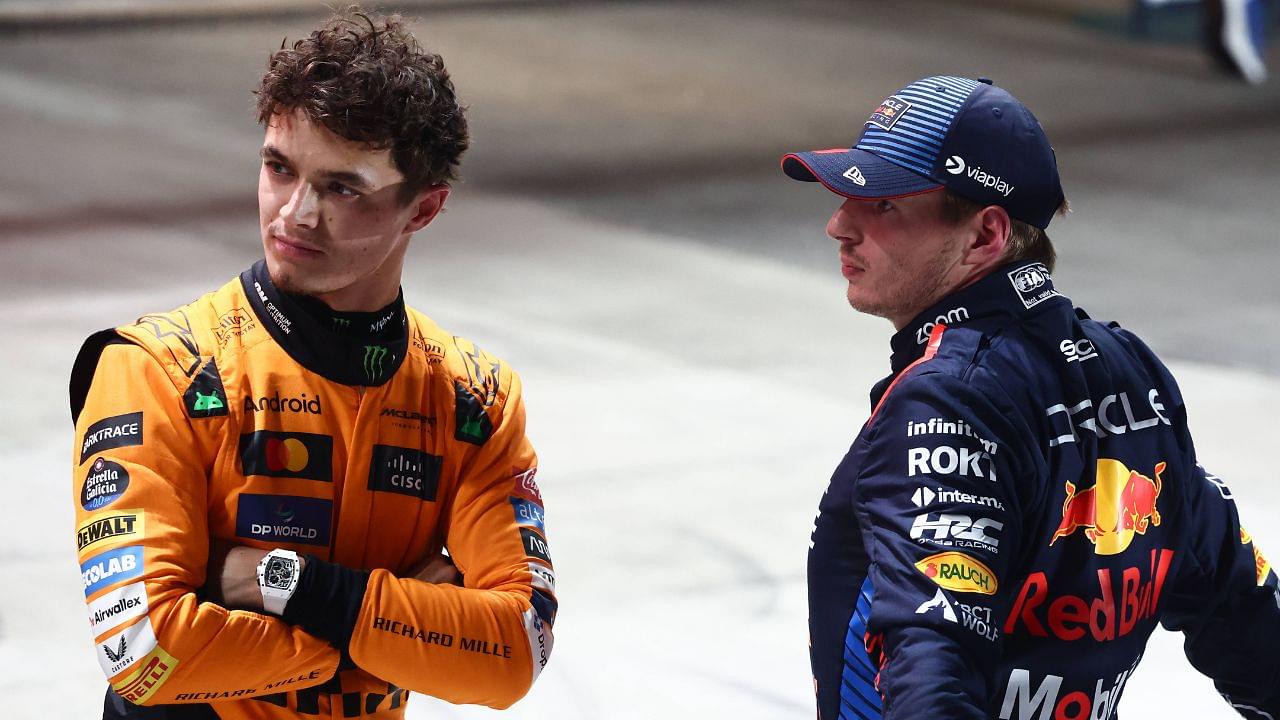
x=955 y=164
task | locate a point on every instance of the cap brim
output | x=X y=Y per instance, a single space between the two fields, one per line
x=840 y=171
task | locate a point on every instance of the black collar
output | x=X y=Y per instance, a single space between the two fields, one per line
x=1008 y=292
x=343 y=357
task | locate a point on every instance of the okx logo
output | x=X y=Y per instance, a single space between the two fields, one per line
x=375 y=361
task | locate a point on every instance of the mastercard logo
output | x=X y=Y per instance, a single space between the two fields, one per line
x=289 y=454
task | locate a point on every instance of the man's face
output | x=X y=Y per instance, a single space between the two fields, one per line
x=898 y=255
x=332 y=225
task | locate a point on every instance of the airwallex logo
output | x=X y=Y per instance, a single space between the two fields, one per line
x=956 y=165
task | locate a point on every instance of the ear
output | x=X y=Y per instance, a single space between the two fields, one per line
x=990 y=229
x=427 y=205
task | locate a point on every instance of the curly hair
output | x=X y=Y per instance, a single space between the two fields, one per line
x=365 y=78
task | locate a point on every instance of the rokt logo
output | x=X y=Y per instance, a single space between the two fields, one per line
x=955 y=164
x=1120 y=503
x=854 y=174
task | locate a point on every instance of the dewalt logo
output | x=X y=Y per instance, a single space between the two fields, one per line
x=115 y=525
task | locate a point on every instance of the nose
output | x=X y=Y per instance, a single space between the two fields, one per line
x=303 y=208
x=842 y=226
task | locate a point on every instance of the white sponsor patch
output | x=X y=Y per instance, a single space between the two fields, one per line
x=116 y=607
x=117 y=652
x=540 y=641
x=544 y=578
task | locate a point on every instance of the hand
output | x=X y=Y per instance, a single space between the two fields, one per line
x=233 y=575
x=438 y=570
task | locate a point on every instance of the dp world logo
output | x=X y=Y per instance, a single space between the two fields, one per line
x=955 y=165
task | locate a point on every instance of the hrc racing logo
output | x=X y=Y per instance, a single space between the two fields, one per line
x=959 y=572
x=953 y=530
x=1120 y=503
x=115 y=525
x=1121 y=603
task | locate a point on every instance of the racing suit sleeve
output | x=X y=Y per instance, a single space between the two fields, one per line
x=140 y=479
x=1225 y=600
x=941 y=525
x=484 y=643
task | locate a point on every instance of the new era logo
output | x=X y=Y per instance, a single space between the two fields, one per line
x=854 y=174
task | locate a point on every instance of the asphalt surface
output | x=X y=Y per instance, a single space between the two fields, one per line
x=624 y=238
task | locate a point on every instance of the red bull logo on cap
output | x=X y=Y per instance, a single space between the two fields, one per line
x=1121 y=502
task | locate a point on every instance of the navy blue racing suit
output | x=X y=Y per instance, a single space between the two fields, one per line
x=1020 y=510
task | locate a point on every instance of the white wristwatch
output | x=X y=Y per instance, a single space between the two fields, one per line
x=278 y=575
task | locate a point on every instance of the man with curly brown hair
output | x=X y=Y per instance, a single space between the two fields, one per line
x=296 y=496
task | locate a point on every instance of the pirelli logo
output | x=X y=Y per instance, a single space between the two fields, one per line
x=105 y=528
x=153 y=670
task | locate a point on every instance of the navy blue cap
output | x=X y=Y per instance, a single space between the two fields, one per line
x=969 y=136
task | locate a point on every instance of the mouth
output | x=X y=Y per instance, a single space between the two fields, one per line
x=293 y=247
x=850 y=269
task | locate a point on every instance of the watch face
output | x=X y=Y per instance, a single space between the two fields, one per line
x=279 y=573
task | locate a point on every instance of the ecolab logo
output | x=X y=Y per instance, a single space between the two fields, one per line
x=956 y=165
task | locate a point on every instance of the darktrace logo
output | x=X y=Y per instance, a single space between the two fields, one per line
x=105 y=482
x=284 y=518
x=286 y=404
x=405 y=471
x=110 y=433
x=374 y=363
x=287 y=454
x=206 y=397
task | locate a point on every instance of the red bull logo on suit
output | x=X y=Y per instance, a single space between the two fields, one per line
x=1121 y=502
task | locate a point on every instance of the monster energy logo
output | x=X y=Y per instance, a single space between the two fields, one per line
x=374 y=355
x=341 y=323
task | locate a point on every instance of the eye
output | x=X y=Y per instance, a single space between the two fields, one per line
x=884 y=206
x=275 y=168
x=342 y=190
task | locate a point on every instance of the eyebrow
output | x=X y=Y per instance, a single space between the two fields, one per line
x=346 y=177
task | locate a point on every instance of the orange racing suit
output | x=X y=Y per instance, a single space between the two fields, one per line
x=241 y=417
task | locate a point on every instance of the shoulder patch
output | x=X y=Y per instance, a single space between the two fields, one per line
x=173 y=330
x=206 y=397
x=85 y=365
